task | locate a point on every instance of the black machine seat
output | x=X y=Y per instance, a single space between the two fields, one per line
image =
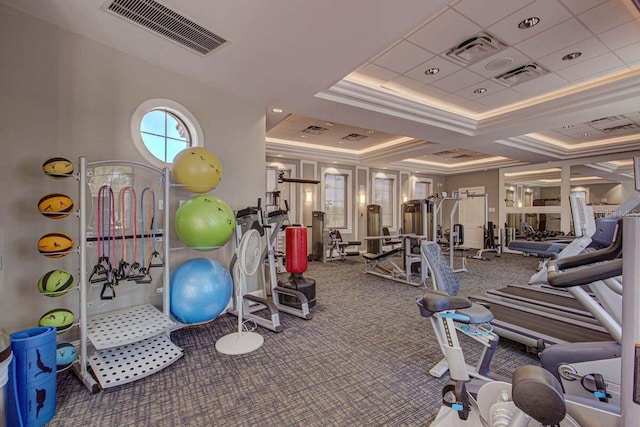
x=466 y=311
x=389 y=241
x=342 y=244
x=377 y=257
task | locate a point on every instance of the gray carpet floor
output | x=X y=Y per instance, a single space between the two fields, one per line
x=361 y=361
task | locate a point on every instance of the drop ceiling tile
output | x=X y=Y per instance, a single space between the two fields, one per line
x=407 y=82
x=565 y=34
x=511 y=57
x=606 y=16
x=550 y=13
x=377 y=72
x=621 y=36
x=589 y=48
x=579 y=6
x=444 y=32
x=446 y=67
x=491 y=86
x=540 y=85
x=403 y=57
x=501 y=99
x=577 y=129
x=455 y=99
x=591 y=67
x=630 y=54
x=475 y=107
x=593 y=135
x=458 y=80
x=635 y=117
x=433 y=92
x=479 y=13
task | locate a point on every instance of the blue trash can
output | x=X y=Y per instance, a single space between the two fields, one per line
x=5 y=359
x=32 y=390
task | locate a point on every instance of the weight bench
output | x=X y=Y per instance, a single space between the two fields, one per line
x=390 y=269
x=340 y=246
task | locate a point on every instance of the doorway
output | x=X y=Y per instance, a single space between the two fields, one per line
x=471 y=215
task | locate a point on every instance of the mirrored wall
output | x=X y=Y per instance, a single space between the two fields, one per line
x=536 y=198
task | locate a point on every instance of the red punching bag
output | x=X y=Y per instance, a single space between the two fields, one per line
x=296 y=238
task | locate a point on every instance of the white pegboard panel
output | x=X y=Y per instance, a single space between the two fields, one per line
x=121 y=365
x=122 y=327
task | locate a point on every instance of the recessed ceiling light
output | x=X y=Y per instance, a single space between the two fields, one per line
x=280 y=155
x=370 y=131
x=432 y=71
x=528 y=23
x=586 y=134
x=328 y=124
x=341 y=142
x=303 y=136
x=480 y=90
x=571 y=56
x=277 y=110
x=335 y=162
x=567 y=127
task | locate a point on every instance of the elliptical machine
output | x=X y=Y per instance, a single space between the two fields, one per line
x=283 y=298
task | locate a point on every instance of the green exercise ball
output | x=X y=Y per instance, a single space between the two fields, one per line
x=204 y=222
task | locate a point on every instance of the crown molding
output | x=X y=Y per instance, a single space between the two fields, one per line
x=357 y=95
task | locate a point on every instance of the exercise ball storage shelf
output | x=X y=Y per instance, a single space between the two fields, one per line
x=123 y=338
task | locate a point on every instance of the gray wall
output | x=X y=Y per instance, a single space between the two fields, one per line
x=63 y=95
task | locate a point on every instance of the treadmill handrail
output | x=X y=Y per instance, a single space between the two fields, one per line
x=614 y=250
x=586 y=275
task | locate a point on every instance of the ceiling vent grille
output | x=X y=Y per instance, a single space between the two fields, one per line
x=629 y=127
x=315 y=130
x=607 y=119
x=521 y=74
x=475 y=49
x=161 y=20
x=352 y=137
x=446 y=153
x=462 y=156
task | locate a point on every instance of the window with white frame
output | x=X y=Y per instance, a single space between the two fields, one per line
x=383 y=195
x=337 y=198
x=335 y=201
x=161 y=128
x=421 y=190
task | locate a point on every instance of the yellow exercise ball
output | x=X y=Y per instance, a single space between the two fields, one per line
x=197 y=169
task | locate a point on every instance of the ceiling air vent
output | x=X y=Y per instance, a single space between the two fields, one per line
x=606 y=119
x=354 y=137
x=475 y=48
x=444 y=153
x=630 y=127
x=462 y=156
x=161 y=20
x=521 y=74
x=315 y=130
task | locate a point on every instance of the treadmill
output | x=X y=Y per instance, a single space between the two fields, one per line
x=520 y=319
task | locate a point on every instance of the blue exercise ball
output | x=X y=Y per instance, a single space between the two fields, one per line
x=200 y=289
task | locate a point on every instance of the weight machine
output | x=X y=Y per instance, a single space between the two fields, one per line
x=416 y=226
x=456 y=233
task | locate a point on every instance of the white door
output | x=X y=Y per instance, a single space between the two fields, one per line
x=471 y=216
